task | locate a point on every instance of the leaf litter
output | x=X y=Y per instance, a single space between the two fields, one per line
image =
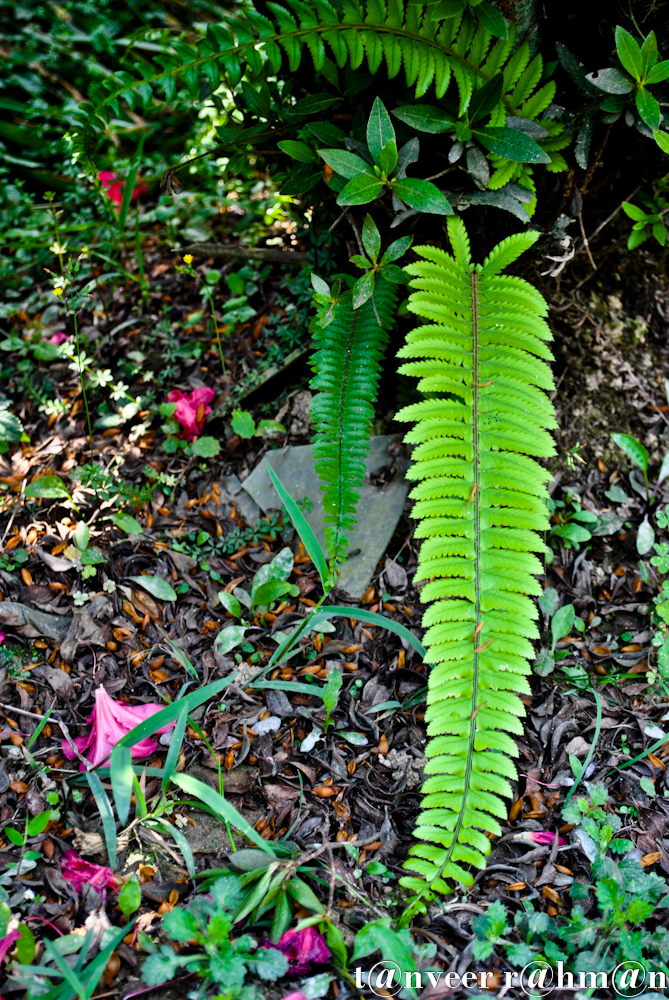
x=286 y=769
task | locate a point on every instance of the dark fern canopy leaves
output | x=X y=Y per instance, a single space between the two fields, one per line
x=481 y=356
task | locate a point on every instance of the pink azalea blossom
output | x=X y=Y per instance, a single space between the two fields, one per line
x=539 y=837
x=80 y=873
x=114 y=187
x=301 y=948
x=191 y=410
x=109 y=721
x=59 y=338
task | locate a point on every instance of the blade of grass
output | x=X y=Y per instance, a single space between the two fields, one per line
x=130 y=186
x=106 y=813
x=371 y=618
x=171 y=712
x=586 y=762
x=182 y=844
x=95 y=968
x=121 y=774
x=66 y=972
x=303 y=528
x=41 y=726
x=225 y=810
x=179 y=655
x=644 y=753
x=176 y=742
x=310 y=689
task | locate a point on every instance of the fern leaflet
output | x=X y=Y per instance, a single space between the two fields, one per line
x=347 y=365
x=481 y=504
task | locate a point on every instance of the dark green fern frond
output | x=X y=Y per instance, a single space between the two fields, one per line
x=433 y=53
x=347 y=365
x=481 y=505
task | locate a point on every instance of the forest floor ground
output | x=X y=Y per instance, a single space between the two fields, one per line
x=67 y=636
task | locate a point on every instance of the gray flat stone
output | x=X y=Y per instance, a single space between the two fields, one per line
x=247 y=507
x=378 y=512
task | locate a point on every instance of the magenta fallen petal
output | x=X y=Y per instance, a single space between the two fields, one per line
x=7 y=941
x=59 y=338
x=109 y=721
x=3 y=636
x=191 y=409
x=297 y=995
x=79 y=873
x=302 y=948
x=538 y=837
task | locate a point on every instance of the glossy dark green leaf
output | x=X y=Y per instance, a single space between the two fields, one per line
x=388 y=158
x=361 y=190
x=380 y=129
x=347 y=164
x=629 y=52
x=371 y=238
x=426 y=118
x=492 y=19
x=611 y=80
x=298 y=151
x=486 y=98
x=422 y=195
x=511 y=143
x=633 y=449
x=363 y=289
x=648 y=108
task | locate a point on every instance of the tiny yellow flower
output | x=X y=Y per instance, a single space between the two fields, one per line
x=188 y=258
x=58 y=292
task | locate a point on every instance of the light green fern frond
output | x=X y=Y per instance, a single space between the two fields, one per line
x=481 y=503
x=347 y=365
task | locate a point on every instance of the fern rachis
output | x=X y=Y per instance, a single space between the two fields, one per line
x=480 y=500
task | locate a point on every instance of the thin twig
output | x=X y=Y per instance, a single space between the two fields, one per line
x=441 y=173
x=337 y=221
x=585 y=240
x=65 y=731
x=610 y=217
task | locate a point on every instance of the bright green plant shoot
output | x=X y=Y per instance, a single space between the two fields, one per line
x=481 y=502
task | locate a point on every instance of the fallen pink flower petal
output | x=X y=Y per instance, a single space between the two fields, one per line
x=3 y=636
x=539 y=837
x=114 y=187
x=109 y=721
x=302 y=948
x=297 y=995
x=191 y=409
x=80 y=873
x=7 y=941
x=59 y=338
